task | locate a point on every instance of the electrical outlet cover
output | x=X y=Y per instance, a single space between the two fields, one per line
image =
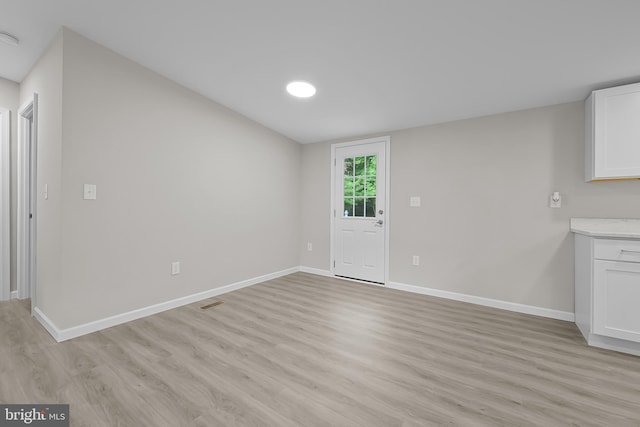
x=90 y=191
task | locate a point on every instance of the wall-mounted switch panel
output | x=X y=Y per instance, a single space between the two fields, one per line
x=414 y=201
x=175 y=268
x=416 y=260
x=90 y=191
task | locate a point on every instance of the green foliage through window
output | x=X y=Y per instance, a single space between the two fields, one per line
x=360 y=186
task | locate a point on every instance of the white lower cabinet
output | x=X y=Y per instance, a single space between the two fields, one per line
x=607 y=292
x=616 y=299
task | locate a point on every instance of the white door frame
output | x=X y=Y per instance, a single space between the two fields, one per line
x=332 y=212
x=27 y=190
x=5 y=210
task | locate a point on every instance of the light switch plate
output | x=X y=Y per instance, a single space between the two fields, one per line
x=175 y=268
x=90 y=192
x=414 y=201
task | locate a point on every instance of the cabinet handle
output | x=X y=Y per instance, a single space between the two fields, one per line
x=629 y=251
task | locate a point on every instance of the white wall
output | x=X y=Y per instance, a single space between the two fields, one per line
x=9 y=98
x=179 y=178
x=484 y=227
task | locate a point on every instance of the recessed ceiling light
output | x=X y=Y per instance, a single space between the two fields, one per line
x=7 y=38
x=301 y=89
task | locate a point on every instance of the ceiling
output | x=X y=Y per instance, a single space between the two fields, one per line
x=378 y=65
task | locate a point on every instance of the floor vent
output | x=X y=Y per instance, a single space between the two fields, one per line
x=213 y=304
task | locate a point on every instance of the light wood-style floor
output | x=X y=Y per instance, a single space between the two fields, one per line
x=305 y=350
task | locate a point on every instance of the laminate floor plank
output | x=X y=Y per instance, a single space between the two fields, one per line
x=305 y=350
x=221 y=367
x=247 y=365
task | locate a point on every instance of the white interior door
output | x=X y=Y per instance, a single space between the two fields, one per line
x=360 y=210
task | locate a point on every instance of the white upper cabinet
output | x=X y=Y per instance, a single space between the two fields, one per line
x=613 y=133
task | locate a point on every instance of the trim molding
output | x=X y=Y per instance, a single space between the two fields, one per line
x=316 y=271
x=47 y=323
x=387 y=171
x=614 y=344
x=97 y=325
x=5 y=209
x=27 y=201
x=488 y=302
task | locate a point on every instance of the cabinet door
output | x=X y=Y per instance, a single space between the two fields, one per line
x=617 y=132
x=616 y=299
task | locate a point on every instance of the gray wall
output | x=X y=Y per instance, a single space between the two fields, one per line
x=484 y=228
x=46 y=80
x=179 y=178
x=9 y=98
x=315 y=181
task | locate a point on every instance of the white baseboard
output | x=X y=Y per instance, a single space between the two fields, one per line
x=87 y=328
x=47 y=323
x=14 y=295
x=316 y=271
x=488 y=302
x=614 y=344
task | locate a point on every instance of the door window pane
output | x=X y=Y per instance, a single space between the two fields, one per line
x=371 y=186
x=359 y=206
x=348 y=167
x=359 y=163
x=360 y=187
x=348 y=186
x=370 y=207
x=348 y=207
x=371 y=165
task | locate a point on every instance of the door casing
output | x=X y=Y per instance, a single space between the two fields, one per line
x=332 y=213
x=26 y=209
x=5 y=230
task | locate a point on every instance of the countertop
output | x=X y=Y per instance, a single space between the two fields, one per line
x=600 y=227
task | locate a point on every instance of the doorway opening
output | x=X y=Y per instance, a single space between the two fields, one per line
x=26 y=209
x=359 y=210
x=5 y=230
